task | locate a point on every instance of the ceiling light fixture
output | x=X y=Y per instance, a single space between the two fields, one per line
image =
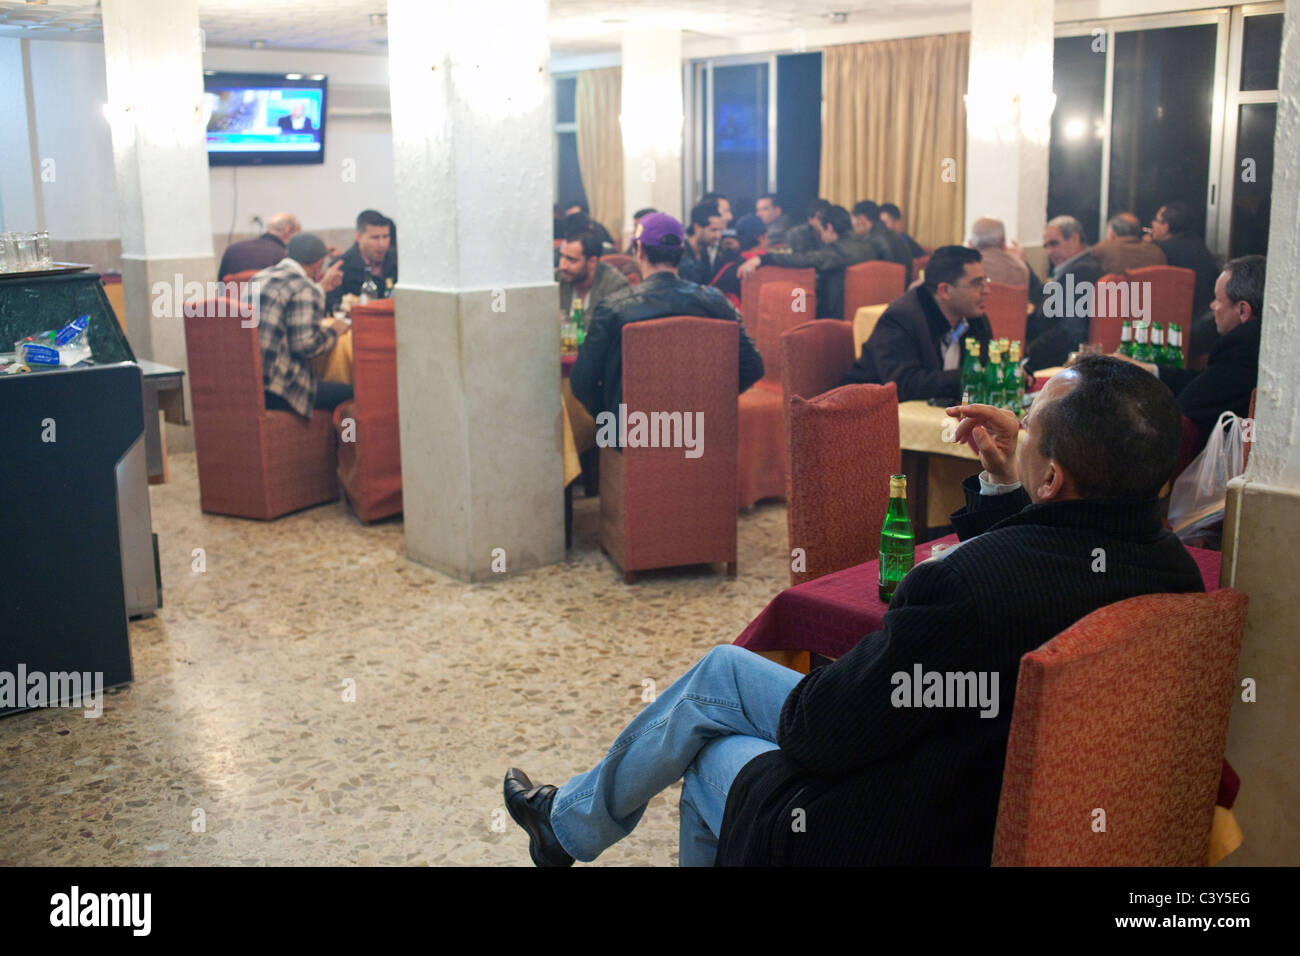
x=257 y=44
x=839 y=16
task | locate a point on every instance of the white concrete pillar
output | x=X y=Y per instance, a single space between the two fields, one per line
x=652 y=118
x=1009 y=104
x=20 y=183
x=478 y=337
x=153 y=60
x=1262 y=525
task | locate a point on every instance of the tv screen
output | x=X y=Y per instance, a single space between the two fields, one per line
x=255 y=119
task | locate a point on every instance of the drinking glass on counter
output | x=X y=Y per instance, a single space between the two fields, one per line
x=42 y=240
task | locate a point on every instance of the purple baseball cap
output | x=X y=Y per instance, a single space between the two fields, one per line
x=661 y=230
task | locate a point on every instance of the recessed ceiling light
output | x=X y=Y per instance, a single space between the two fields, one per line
x=838 y=16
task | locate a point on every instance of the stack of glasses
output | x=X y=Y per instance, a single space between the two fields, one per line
x=24 y=251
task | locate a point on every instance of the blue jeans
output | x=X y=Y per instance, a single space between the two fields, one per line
x=712 y=721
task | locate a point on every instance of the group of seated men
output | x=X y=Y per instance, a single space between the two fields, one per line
x=300 y=283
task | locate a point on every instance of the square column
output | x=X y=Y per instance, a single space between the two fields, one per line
x=154 y=65
x=1009 y=103
x=651 y=117
x=477 y=310
x=1259 y=529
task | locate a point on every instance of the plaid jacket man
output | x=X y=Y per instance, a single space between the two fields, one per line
x=289 y=331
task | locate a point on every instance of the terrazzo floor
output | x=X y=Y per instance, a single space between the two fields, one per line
x=235 y=745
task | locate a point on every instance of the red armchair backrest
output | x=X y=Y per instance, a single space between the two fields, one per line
x=225 y=360
x=374 y=357
x=1173 y=291
x=1148 y=751
x=1007 y=308
x=750 y=284
x=844 y=445
x=871 y=283
x=1110 y=307
x=815 y=357
x=777 y=305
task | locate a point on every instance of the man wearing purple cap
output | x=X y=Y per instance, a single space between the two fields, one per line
x=597 y=376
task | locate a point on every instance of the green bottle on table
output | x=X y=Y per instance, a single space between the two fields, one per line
x=993 y=377
x=1142 y=350
x=897 y=540
x=1126 y=338
x=1174 y=346
x=579 y=327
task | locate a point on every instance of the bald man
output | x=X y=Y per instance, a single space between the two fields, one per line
x=1123 y=247
x=988 y=236
x=264 y=251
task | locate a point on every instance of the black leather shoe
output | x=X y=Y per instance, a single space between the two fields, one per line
x=530 y=807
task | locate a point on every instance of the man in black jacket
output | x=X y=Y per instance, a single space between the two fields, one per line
x=919 y=341
x=370 y=257
x=1060 y=322
x=597 y=376
x=889 y=245
x=1171 y=230
x=837 y=767
x=808 y=236
x=1233 y=367
x=840 y=248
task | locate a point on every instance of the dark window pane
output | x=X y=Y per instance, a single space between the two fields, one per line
x=1252 y=195
x=799 y=131
x=1074 y=164
x=568 y=175
x=1261 y=51
x=740 y=133
x=566 y=88
x=1160 y=119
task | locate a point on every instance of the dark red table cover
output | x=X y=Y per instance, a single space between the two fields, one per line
x=830 y=615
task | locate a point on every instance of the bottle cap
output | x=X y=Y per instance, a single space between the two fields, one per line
x=897 y=483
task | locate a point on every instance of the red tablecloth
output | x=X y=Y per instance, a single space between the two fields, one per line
x=566 y=363
x=830 y=615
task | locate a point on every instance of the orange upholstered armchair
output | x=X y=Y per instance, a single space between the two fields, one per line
x=1105 y=324
x=253 y=463
x=370 y=451
x=1007 y=308
x=658 y=507
x=815 y=357
x=750 y=284
x=1173 y=291
x=843 y=448
x=1126 y=712
x=871 y=283
x=761 y=455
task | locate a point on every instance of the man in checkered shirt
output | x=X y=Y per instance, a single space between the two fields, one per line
x=292 y=330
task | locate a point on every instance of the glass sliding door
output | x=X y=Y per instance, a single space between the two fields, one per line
x=1161 y=118
x=735 y=118
x=1078 y=131
x=1250 y=121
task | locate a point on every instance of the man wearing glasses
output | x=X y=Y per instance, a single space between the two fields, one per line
x=919 y=341
x=1057 y=326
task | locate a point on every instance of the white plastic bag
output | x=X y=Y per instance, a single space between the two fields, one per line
x=1200 y=492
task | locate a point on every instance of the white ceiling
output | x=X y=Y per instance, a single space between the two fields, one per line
x=577 y=26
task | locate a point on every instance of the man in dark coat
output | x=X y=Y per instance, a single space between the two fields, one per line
x=264 y=251
x=838 y=767
x=1233 y=367
x=889 y=245
x=808 y=236
x=1171 y=230
x=919 y=341
x=372 y=256
x=840 y=248
x=597 y=376
x=1059 y=323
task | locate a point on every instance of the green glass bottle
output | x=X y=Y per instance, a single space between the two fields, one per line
x=993 y=377
x=1016 y=377
x=1157 y=343
x=1142 y=342
x=1126 y=338
x=897 y=540
x=579 y=327
x=969 y=388
x=1174 y=346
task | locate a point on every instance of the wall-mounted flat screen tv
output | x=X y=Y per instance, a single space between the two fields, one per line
x=262 y=119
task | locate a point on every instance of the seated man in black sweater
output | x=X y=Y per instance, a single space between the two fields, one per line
x=878 y=782
x=919 y=341
x=1233 y=367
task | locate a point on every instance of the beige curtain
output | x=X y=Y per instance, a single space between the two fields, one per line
x=894 y=114
x=600 y=145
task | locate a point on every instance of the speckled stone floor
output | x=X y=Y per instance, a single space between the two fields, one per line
x=235 y=744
